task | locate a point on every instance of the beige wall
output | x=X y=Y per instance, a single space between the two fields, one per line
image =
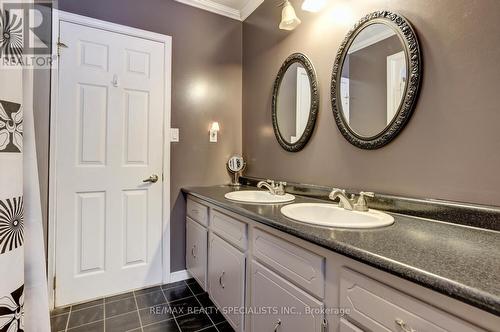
x=206 y=87
x=449 y=149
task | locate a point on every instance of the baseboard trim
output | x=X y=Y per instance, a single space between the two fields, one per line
x=179 y=275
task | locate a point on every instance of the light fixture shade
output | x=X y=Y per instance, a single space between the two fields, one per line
x=289 y=19
x=313 y=6
x=215 y=126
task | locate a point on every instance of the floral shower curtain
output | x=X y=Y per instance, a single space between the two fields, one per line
x=23 y=283
x=11 y=217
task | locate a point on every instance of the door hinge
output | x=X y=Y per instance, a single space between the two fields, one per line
x=60 y=45
x=54 y=283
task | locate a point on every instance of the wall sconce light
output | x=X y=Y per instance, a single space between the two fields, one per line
x=214 y=130
x=289 y=19
x=313 y=6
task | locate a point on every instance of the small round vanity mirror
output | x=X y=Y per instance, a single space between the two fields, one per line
x=235 y=165
x=295 y=102
x=376 y=79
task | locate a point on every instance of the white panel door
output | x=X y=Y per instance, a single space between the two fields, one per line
x=109 y=139
x=303 y=102
x=396 y=81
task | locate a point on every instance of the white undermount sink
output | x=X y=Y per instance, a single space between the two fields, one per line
x=257 y=196
x=331 y=215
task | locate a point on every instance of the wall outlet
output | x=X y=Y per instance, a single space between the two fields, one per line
x=174 y=135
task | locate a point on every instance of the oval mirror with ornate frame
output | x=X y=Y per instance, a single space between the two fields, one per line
x=376 y=79
x=295 y=102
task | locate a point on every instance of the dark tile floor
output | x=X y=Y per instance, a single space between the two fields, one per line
x=181 y=307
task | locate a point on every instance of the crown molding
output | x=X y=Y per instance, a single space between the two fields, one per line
x=249 y=8
x=379 y=36
x=224 y=10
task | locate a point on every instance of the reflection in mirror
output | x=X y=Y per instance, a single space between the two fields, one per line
x=376 y=79
x=373 y=81
x=235 y=165
x=294 y=103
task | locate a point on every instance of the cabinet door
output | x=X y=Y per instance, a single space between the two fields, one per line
x=345 y=326
x=379 y=308
x=226 y=279
x=280 y=306
x=196 y=251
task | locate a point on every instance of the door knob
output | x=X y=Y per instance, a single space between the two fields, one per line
x=152 y=179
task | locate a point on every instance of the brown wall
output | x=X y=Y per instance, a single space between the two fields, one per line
x=207 y=52
x=41 y=114
x=449 y=149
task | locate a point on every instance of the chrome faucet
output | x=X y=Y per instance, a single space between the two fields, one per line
x=345 y=202
x=348 y=203
x=274 y=189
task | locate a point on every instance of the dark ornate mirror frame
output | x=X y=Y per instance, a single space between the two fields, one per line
x=313 y=113
x=414 y=68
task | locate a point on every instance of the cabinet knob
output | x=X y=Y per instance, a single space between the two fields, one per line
x=404 y=327
x=220 y=280
x=192 y=251
x=277 y=325
x=324 y=325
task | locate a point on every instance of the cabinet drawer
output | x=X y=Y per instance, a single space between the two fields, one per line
x=377 y=307
x=345 y=326
x=226 y=278
x=297 y=264
x=288 y=307
x=196 y=211
x=229 y=229
x=196 y=251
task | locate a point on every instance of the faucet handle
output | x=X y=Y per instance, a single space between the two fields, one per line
x=361 y=205
x=271 y=182
x=280 y=188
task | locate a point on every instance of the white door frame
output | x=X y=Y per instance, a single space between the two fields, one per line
x=391 y=108
x=59 y=16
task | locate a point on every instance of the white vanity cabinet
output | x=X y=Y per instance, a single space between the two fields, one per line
x=196 y=251
x=377 y=307
x=281 y=306
x=226 y=279
x=299 y=265
x=197 y=240
x=265 y=280
x=345 y=326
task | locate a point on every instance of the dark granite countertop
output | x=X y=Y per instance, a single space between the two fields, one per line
x=458 y=261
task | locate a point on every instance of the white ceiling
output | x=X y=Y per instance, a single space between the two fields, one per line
x=236 y=9
x=371 y=35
